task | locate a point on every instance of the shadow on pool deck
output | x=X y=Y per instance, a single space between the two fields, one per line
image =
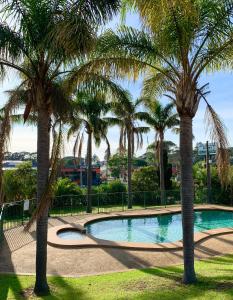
x=18 y=254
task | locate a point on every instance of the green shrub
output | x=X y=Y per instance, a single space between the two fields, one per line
x=145 y=186
x=20 y=184
x=116 y=186
x=112 y=193
x=63 y=190
x=64 y=186
x=145 y=179
x=220 y=194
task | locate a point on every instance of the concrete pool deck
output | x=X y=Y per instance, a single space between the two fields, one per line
x=17 y=254
x=91 y=241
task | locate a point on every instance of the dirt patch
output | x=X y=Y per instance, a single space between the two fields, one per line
x=225 y=285
x=28 y=293
x=149 y=285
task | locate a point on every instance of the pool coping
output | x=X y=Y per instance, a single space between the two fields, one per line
x=90 y=241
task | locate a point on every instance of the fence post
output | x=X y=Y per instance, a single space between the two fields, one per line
x=71 y=206
x=122 y=201
x=22 y=212
x=144 y=200
x=1 y=223
x=98 y=202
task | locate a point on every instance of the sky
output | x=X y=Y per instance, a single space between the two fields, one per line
x=23 y=137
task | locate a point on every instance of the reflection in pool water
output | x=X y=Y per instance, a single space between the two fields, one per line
x=156 y=229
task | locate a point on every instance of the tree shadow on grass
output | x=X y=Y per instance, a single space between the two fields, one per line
x=8 y=283
x=220 y=284
x=61 y=289
x=222 y=260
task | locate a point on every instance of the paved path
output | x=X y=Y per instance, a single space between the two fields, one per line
x=17 y=254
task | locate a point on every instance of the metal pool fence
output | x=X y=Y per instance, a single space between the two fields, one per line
x=110 y=202
x=18 y=213
x=1 y=223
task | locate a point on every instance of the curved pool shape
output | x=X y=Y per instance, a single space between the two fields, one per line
x=156 y=229
x=70 y=234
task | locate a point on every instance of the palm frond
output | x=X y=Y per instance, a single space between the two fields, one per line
x=218 y=135
x=76 y=144
x=156 y=83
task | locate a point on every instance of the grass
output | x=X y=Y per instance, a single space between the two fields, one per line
x=215 y=282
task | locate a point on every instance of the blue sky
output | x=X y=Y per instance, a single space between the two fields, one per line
x=23 y=138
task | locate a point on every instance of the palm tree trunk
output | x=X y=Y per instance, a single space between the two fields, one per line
x=161 y=169
x=43 y=144
x=208 y=174
x=187 y=197
x=89 y=172
x=129 y=169
x=2 y=144
x=107 y=171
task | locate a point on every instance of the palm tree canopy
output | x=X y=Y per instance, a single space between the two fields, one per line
x=160 y=117
x=40 y=38
x=89 y=115
x=126 y=111
x=181 y=39
x=57 y=28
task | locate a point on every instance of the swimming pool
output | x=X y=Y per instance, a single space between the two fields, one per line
x=156 y=229
x=70 y=234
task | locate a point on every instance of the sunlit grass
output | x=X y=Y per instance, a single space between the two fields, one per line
x=215 y=282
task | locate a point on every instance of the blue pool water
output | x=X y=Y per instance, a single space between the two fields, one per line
x=159 y=229
x=70 y=234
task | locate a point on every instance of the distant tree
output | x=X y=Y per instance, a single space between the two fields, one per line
x=20 y=184
x=118 y=164
x=127 y=113
x=88 y=117
x=145 y=179
x=160 y=118
x=169 y=146
x=167 y=170
x=95 y=159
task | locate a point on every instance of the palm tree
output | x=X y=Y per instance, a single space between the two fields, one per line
x=127 y=116
x=87 y=117
x=45 y=36
x=160 y=118
x=5 y=127
x=182 y=40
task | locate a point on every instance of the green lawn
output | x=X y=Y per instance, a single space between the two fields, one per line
x=215 y=282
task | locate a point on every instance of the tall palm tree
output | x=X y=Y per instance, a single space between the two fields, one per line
x=38 y=38
x=88 y=117
x=182 y=40
x=130 y=132
x=160 y=118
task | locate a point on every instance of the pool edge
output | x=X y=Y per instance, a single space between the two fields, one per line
x=92 y=242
